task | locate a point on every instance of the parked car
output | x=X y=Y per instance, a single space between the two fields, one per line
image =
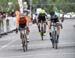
x=67 y=16
x=73 y=16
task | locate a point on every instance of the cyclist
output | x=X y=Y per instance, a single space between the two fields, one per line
x=42 y=17
x=54 y=19
x=22 y=22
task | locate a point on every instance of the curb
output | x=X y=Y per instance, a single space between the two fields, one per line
x=6 y=33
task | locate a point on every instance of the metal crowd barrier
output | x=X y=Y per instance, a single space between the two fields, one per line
x=7 y=25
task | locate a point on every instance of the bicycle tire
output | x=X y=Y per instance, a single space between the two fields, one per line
x=42 y=33
x=54 y=40
x=21 y=36
x=56 y=46
x=25 y=37
x=24 y=47
x=56 y=43
x=24 y=41
x=53 y=45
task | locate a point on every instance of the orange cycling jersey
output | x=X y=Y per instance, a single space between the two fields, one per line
x=23 y=20
x=18 y=18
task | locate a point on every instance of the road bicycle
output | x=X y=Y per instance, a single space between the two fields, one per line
x=23 y=37
x=54 y=35
x=42 y=29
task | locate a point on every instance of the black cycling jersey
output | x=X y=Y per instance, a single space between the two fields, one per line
x=54 y=18
x=42 y=16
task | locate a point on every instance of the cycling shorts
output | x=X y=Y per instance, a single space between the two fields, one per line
x=40 y=18
x=21 y=26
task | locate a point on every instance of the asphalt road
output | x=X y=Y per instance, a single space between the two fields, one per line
x=10 y=45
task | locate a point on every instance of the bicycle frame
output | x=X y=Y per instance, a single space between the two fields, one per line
x=54 y=31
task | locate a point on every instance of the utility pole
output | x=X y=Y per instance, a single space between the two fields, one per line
x=20 y=5
x=30 y=8
x=28 y=3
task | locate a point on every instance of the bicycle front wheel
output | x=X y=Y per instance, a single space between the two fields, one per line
x=42 y=33
x=26 y=46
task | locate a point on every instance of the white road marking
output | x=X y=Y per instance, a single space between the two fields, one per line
x=45 y=54
x=6 y=45
x=42 y=44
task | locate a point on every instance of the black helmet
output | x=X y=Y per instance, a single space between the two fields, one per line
x=52 y=12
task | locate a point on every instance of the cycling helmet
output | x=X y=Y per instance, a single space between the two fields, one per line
x=52 y=12
x=42 y=11
x=22 y=15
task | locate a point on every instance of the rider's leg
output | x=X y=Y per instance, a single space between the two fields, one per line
x=50 y=24
x=22 y=37
x=27 y=33
x=61 y=24
x=44 y=27
x=20 y=30
x=58 y=32
x=39 y=26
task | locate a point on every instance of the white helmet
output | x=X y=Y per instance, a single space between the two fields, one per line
x=21 y=15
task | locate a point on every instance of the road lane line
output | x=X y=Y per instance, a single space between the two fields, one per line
x=6 y=45
x=47 y=44
x=41 y=54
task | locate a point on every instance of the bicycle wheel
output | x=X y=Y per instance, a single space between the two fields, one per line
x=53 y=43
x=52 y=40
x=21 y=36
x=25 y=40
x=42 y=33
x=24 y=47
x=56 y=41
x=23 y=43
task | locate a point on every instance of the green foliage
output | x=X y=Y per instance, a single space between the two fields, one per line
x=65 y=5
x=5 y=6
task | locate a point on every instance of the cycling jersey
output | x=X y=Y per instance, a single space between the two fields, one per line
x=54 y=18
x=42 y=16
x=19 y=22
x=23 y=20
